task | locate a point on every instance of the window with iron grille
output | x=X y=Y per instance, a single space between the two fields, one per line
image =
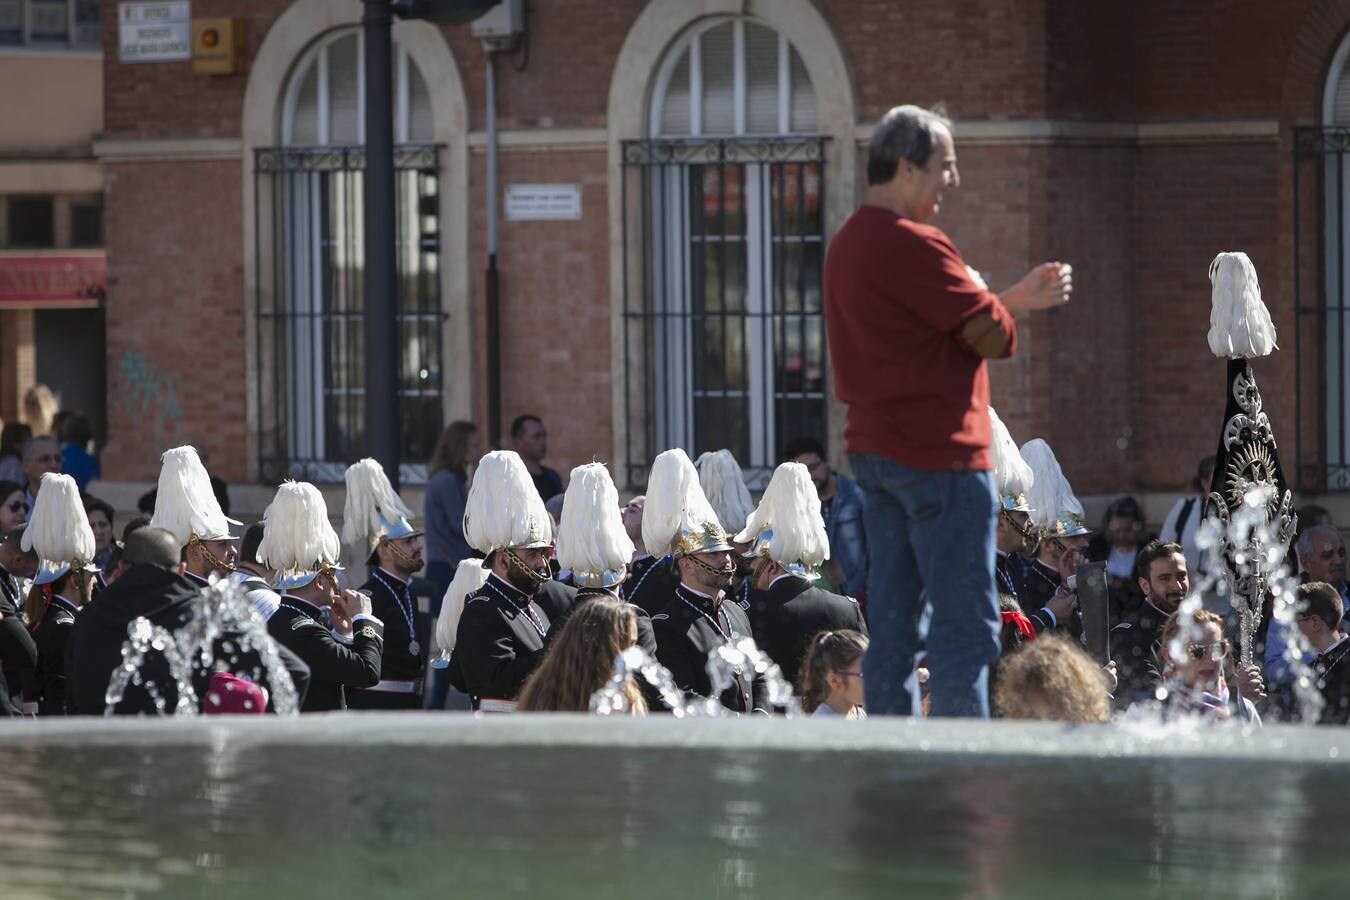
x=724 y=247
x=310 y=294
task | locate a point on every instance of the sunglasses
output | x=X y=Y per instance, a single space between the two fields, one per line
x=1215 y=651
x=18 y=506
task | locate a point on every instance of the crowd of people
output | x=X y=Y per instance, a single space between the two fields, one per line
x=957 y=567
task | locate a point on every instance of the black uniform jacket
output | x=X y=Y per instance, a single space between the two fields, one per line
x=51 y=637
x=1333 y=680
x=499 y=642
x=18 y=653
x=169 y=600
x=790 y=612
x=392 y=602
x=333 y=665
x=1036 y=584
x=556 y=599
x=691 y=627
x=651 y=584
x=1134 y=650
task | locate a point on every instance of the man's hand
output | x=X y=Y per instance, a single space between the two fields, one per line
x=1061 y=604
x=1249 y=683
x=1046 y=286
x=1068 y=563
x=1110 y=677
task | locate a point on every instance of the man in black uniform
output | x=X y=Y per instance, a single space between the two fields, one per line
x=788 y=544
x=18 y=653
x=1042 y=589
x=1164 y=581
x=301 y=546
x=1017 y=540
x=651 y=580
x=152 y=585
x=60 y=535
x=594 y=547
x=699 y=620
x=186 y=507
x=375 y=522
x=1320 y=610
x=501 y=632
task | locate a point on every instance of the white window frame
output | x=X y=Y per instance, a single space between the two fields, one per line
x=675 y=394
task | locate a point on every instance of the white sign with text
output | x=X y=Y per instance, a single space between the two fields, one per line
x=154 y=32
x=543 y=202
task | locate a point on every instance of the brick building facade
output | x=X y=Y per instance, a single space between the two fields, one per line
x=1134 y=140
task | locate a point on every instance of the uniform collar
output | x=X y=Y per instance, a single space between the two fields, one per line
x=302 y=605
x=58 y=600
x=507 y=589
x=698 y=598
x=393 y=580
x=197 y=578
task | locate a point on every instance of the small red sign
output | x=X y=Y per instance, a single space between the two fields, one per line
x=64 y=278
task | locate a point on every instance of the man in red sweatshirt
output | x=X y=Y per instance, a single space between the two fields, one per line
x=910 y=328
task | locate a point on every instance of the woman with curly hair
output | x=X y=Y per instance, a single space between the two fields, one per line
x=1052 y=678
x=582 y=659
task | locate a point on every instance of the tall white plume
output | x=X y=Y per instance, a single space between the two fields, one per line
x=297 y=536
x=469 y=577
x=1051 y=494
x=723 y=484
x=184 y=502
x=1240 y=324
x=1011 y=471
x=370 y=497
x=790 y=508
x=591 y=536
x=59 y=528
x=504 y=508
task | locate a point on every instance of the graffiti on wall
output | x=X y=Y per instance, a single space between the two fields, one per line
x=150 y=399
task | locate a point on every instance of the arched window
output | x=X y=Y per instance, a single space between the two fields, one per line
x=724 y=334
x=311 y=319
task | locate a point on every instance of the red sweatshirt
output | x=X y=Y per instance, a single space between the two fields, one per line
x=897 y=295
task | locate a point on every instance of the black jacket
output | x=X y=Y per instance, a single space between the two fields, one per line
x=651 y=584
x=1134 y=650
x=690 y=628
x=1333 y=680
x=18 y=653
x=499 y=642
x=1036 y=585
x=555 y=598
x=169 y=600
x=392 y=602
x=790 y=612
x=332 y=664
x=51 y=636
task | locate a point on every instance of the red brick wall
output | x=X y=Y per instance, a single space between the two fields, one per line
x=1121 y=381
x=176 y=370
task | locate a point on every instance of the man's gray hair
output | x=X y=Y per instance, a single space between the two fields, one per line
x=32 y=442
x=1304 y=546
x=905 y=133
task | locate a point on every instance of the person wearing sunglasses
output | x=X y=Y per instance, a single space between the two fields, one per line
x=1320 y=610
x=1196 y=671
x=13 y=506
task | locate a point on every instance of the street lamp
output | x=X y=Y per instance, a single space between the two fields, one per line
x=384 y=426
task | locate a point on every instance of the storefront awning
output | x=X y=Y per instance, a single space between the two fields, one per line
x=54 y=279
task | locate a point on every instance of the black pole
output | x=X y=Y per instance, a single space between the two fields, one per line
x=382 y=421
x=494 y=321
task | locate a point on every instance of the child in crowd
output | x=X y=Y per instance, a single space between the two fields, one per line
x=831 y=679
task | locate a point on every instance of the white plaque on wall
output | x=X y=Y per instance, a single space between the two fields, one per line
x=542 y=202
x=154 y=32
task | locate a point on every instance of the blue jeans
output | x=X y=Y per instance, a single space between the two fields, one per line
x=931 y=536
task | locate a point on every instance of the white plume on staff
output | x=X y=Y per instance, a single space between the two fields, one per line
x=1011 y=471
x=372 y=505
x=1240 y=324
x=788 y=520
x=504 y=508
x=469 y=577
x=297 y=536
x=59 y=531
x=723 y=484
x=592 y=542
